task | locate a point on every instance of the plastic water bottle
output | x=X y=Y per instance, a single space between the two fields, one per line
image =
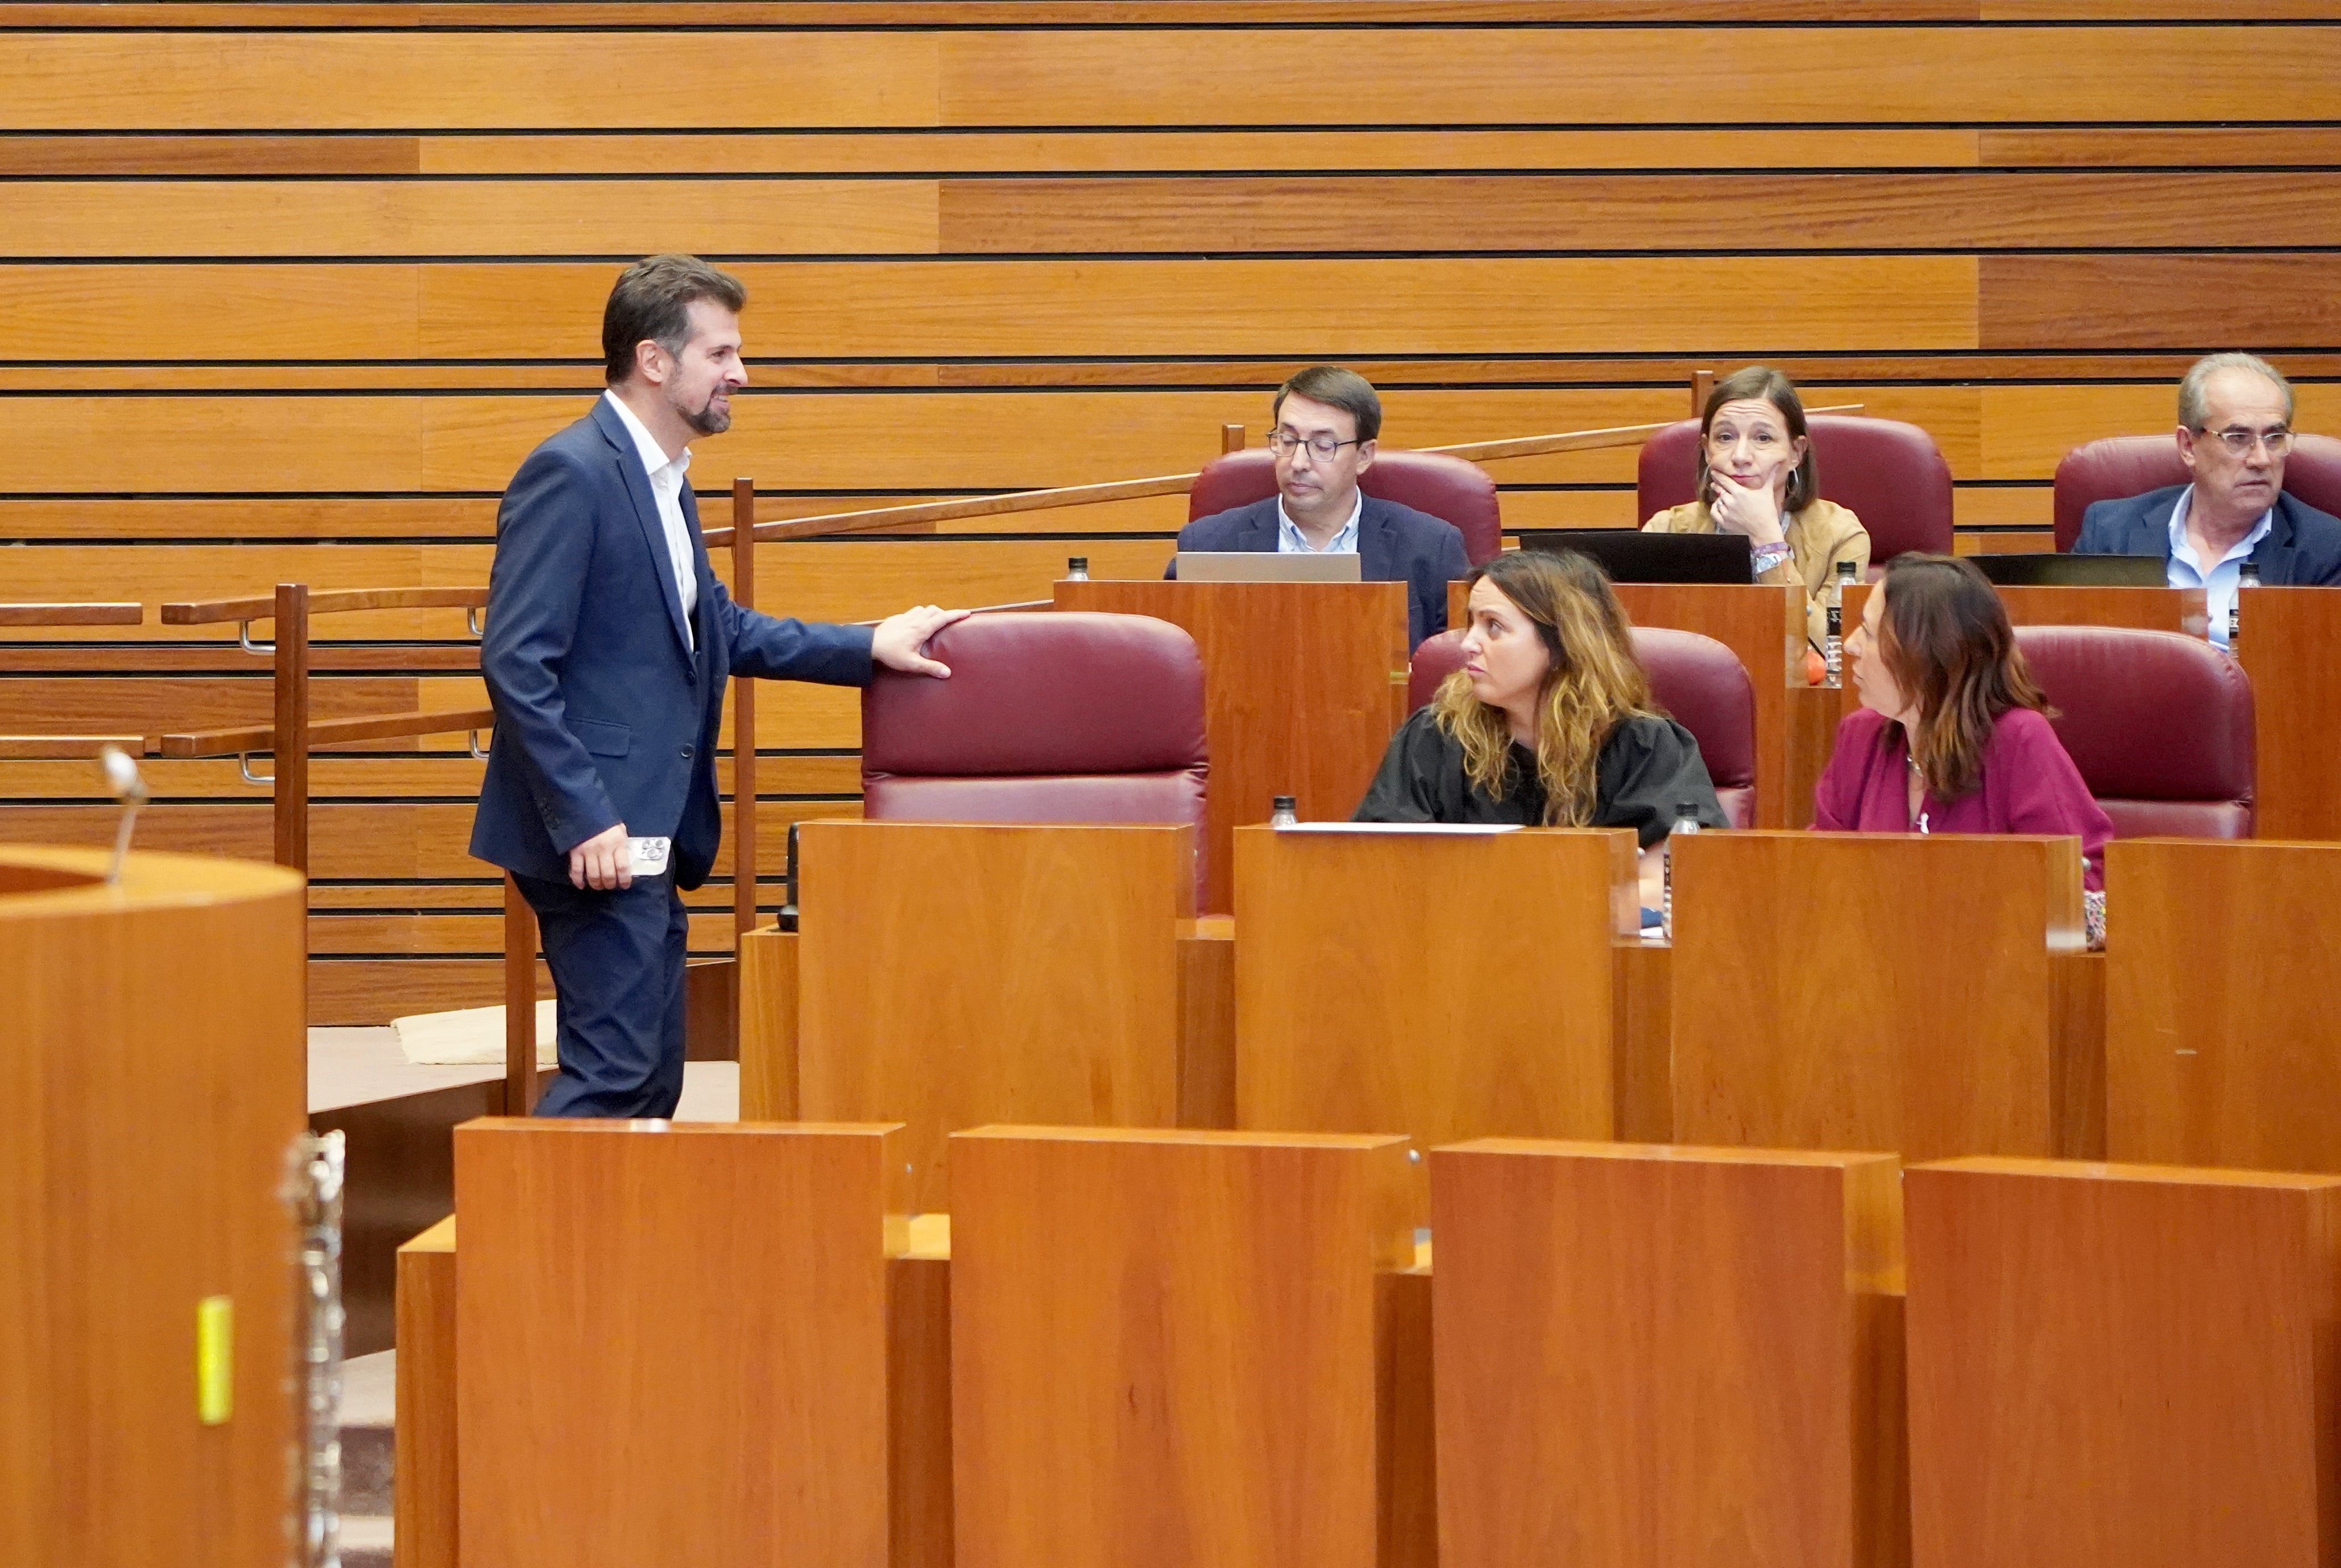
x=1833 y=642
x=1686 y=821
x=1283 y=812
x=1077 y=569
x=2246 y=576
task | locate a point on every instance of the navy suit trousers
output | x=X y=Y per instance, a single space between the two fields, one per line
x=617 y=960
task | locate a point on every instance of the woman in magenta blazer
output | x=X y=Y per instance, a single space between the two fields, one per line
x=1952 y=736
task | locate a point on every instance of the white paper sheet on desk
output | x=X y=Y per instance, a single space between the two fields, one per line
x=1465 y=829
x=469 y=1037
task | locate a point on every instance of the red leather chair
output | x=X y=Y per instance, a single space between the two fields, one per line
x=2121 y=466
x=1891 y=474
x=1065 y=717
x=1694 y=679
x=2160 y=726
x=1446 y=487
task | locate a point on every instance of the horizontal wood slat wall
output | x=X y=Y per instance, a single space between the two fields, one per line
x=290 y=288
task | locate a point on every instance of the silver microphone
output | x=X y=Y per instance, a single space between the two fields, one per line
x=128 y=788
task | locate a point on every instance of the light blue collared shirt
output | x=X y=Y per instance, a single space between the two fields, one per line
x=1290 y=541
x=2227 y=575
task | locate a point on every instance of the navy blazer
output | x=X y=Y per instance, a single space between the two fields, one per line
x=605 y=711
x=1394 y=544
x=2302 y=550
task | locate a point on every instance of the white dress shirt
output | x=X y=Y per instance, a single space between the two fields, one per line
x=2219 y=585
x=666 y=489
x=1290 y=541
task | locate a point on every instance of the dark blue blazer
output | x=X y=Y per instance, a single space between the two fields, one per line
x=605 y=713
x=2302 y=550
x=1394 y=544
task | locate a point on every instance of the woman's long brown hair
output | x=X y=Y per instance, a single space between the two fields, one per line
x=1946 y=640
x=1593 y=681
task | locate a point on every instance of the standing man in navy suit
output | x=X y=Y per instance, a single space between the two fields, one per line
x=2235 y=431
x=1327 y=420
x=608 y=642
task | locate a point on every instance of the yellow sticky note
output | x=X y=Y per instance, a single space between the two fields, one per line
x=215 y=1360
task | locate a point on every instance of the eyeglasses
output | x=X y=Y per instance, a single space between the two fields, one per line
x=1320 y=446
x=2239 y=441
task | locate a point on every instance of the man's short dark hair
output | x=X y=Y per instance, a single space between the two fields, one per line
x=1341 y=389
x=651 y=299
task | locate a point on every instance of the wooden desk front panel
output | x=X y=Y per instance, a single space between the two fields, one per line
x=2122 y=1364
x=2286 y=643
x=1764 y=624
x=1443 y=986
x=1165 y=1346
x=1645 y=1353
x=1849 y=990
x=672 y=1342
x=953 y=974
x=1303 y=685
x=2223 y=1046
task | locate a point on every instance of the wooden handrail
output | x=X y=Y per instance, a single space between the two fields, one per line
x=72 y=614
x=331 y=601
x=1165 y=484
x=329 y=732
x=18 y=747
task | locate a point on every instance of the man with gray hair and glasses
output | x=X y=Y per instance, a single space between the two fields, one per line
x=2235 y=430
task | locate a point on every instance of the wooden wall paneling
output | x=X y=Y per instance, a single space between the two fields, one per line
x=1646 y=1350
x=949 y=975
x=425 y=1466
x=1165 y=1344
x=2222 y=1056
x=1350 y=956
x=2251 y=297
x=2121 y=1363
x=1883 y=75
x=1929 y=1030
x=458 y=80
x=260 y=154
x=743 y=1268
x=467 y=218
x=2048 y=209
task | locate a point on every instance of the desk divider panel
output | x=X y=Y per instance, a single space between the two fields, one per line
x=2123 y=1365
x=1461 y=986
x=2286 y=642
x=1169 y=1348
x=1649 y=1355
x=1303 y=685
x=1870 y=991
x=951 y=975
x=2222 y=1044
x=673 y=1342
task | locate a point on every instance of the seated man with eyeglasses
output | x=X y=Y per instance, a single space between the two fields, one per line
x=1326 y=421
x=2235 y=428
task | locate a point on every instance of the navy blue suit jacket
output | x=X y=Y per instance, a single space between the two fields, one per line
x=605 y=711
x=1394 y=544
x=2302 y=550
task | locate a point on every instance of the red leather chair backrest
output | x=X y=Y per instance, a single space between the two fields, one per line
x=2160 y=725
x=2121 y=466
x=1048 y=717
x=1447 y=487
x=1890 y=474
x=1696 y=680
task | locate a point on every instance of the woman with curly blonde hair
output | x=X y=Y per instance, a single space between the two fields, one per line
x=1549 y=722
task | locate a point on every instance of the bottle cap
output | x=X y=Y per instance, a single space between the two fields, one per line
x=1077 y=563
x=1283 y=803
x=1845 y=569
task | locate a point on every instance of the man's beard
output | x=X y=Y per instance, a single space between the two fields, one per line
x=707 y=421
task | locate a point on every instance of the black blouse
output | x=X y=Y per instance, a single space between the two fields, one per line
x=1646 y=769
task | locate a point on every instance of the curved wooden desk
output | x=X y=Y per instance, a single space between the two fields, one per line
x=153 y=1066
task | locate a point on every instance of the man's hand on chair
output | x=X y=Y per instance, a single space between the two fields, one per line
x=897 y=642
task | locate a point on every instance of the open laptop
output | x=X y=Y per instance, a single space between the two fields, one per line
x=1630 y=555
x=1267 y=566
x=2044 y=570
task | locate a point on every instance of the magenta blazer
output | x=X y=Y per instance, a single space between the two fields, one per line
x=2028 y=786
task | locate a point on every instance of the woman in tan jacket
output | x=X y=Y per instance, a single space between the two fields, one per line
x=1755 y=478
